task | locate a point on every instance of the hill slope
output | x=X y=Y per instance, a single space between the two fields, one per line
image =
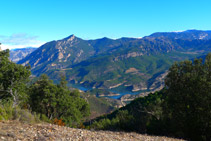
x=13 y=130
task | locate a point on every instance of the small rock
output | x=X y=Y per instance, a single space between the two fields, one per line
x=11 y=135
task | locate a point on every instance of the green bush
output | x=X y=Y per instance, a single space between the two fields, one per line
x=6 y=110
x=44 y=118
x=103 y=124
x=23 y=115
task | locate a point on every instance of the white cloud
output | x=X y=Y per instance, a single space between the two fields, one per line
x=8 y=46
x=20 y=40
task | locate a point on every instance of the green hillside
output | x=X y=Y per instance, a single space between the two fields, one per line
x=180 y=110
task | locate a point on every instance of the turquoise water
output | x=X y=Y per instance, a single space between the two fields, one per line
x=121 y=91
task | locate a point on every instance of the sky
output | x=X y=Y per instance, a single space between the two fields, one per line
x=25 y=23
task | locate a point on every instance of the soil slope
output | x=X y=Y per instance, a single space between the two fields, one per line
x=14 y=130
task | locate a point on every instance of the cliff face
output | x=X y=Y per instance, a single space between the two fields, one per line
x=13 y=130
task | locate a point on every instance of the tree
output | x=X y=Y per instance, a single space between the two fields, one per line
x=13 y=78
x=188 y=105
x=56 y=101
x=43 y=96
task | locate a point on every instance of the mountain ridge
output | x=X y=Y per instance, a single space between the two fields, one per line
x=134 y=64
x=191 y=34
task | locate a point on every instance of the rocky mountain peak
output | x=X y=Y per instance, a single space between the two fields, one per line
x=70 y=38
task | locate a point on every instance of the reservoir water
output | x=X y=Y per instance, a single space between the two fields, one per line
x=120 y=91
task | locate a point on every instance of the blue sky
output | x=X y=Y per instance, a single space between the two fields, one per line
x=34 y=22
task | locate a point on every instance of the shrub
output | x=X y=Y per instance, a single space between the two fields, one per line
x=6 y=110
x=23 y=115
x=58 y=122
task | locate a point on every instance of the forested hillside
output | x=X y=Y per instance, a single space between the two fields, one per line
x=182 y=109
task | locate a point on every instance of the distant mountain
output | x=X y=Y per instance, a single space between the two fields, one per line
x=185 y=35
x=66 y=52
x=18 y=54
x=125 y=64
x=59 y=54
x=139 y=66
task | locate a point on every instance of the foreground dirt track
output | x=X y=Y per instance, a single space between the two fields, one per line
x=13 y=130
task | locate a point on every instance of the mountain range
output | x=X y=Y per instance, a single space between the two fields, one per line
x=127 y=65
x=18 y=54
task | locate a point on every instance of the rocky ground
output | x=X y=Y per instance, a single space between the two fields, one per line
x=14 y=130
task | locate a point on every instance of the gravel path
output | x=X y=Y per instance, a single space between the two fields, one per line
x=13 y=130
